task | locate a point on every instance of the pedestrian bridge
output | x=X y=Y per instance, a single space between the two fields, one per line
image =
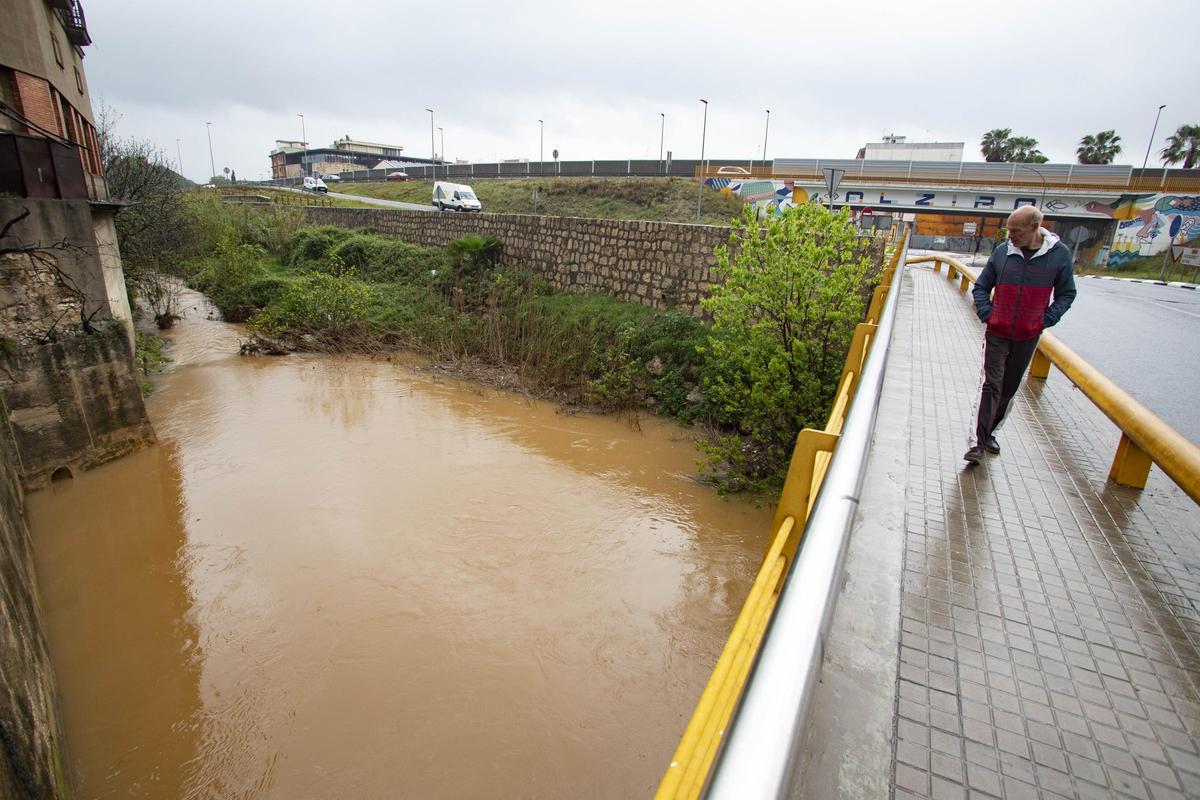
x=1029 y=627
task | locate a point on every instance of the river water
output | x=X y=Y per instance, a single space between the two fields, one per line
x=350 y=578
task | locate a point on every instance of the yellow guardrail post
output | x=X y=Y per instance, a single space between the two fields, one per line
x=799 y=490
x=1040 y=366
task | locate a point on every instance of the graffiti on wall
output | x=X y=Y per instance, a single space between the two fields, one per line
x=1147 y=224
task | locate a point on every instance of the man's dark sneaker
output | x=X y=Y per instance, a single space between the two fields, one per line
x=992 y=446
x=974 y=455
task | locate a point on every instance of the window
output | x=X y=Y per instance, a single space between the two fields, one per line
x=78 y=80
x=57 y=49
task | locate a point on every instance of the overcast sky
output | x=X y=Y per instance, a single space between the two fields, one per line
x=834 y=75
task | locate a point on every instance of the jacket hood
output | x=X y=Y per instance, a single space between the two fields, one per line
x=1049 y=239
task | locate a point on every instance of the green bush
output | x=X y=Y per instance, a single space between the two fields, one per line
x=310 y=248
x=334 y=304
x=470 y=262
x=236 y=279
x=783 y=319
x=382 y=259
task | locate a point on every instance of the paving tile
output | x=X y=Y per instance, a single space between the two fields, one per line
x=1050 y=638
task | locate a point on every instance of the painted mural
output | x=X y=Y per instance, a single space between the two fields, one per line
x=1147 y=224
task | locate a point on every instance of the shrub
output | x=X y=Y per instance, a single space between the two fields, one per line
x=782 y=323
x=310 y=248
x=234 y=279
x=382 y=259
x=470 y=262
x=331 y=303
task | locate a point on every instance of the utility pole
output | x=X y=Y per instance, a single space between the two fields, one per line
x=1153 y=131
x=765 y=132
x=211 y=161
x=179 y=154
x=703 y=133
x=432 y=150
x=442 y=133
x=662 y=134
x=303 y=144
x=541 y=140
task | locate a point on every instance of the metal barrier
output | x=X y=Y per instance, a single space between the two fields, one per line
x=764 y=746
x=1145 y=438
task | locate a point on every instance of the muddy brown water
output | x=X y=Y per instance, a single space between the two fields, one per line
x=348 y=578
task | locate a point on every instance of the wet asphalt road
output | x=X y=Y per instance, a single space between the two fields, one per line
x=1146 y=338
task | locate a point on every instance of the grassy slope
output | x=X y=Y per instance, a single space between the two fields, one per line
x=665 y=200
x=1144 y=267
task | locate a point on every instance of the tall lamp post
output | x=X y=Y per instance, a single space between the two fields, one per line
x=662 y=134
x=541 y=140
x=304 y=145
x=766 y=130
x=703 y=134
x=1153 y=131
x=432 y=151
x=442 y=133
x=179 y=155
x=1040 y=175
x=211 y=161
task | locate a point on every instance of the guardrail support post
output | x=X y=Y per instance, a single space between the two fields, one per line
x=1040 y=366
x=857 y=354
x=937 y=266
x=877 y=301
x=964 y=283
x=797 y=489
x=1131 y=467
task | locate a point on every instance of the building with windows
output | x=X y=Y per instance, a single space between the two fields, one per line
x=292 y=159
x=896 y=148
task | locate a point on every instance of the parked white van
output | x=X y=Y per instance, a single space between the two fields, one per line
x=454 y=196
x=315 y=184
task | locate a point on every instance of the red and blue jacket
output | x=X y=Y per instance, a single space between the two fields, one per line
x=1020 y=307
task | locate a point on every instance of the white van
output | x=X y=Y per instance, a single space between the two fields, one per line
x=454 y=196
x=315 y=185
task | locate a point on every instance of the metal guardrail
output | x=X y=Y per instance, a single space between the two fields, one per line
x=1145 y=438
x=780 y=631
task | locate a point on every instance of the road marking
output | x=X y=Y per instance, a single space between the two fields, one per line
x=1173 y=308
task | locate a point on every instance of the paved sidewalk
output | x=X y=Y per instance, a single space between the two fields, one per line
x=1049 y=641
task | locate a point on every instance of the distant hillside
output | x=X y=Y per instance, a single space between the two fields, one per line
x=660 y=199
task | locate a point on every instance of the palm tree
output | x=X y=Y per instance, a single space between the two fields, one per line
x=1023 y=150
x=1183 y=145
x=995 y=145
x=1100 y=148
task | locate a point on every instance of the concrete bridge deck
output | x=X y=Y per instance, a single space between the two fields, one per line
x=1038 y=630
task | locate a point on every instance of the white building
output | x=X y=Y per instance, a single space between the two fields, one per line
x=895 y=148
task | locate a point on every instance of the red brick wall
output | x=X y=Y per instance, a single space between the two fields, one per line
x=35 y=101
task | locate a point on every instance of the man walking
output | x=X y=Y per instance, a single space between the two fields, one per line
x=1025 y=271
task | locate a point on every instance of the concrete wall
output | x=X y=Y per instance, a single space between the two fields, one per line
x=31 y=750
x=91 y=264
x=644 y=262
x=75 y=402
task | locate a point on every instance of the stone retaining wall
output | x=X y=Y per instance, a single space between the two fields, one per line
x=31 y=750
x=653 y=263
x=73 y=403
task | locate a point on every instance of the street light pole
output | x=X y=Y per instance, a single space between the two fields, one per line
x=432 y=151
x=1153 y=131
x=541 y=140
x=442 y=133
x=662 y=135
x=179 y=154
x=703 y=134
x=766 y=130
x=304 y=145
x=211 y=161
x=1040 y=175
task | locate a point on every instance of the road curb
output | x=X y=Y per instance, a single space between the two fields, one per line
x=1177 y=284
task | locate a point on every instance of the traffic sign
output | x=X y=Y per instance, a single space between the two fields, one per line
x=833 y=177
x=866 y=212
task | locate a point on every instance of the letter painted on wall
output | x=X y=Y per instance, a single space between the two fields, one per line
x=985 y=201
x=1024 y=201
x=854 y=197
x=924 y=198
